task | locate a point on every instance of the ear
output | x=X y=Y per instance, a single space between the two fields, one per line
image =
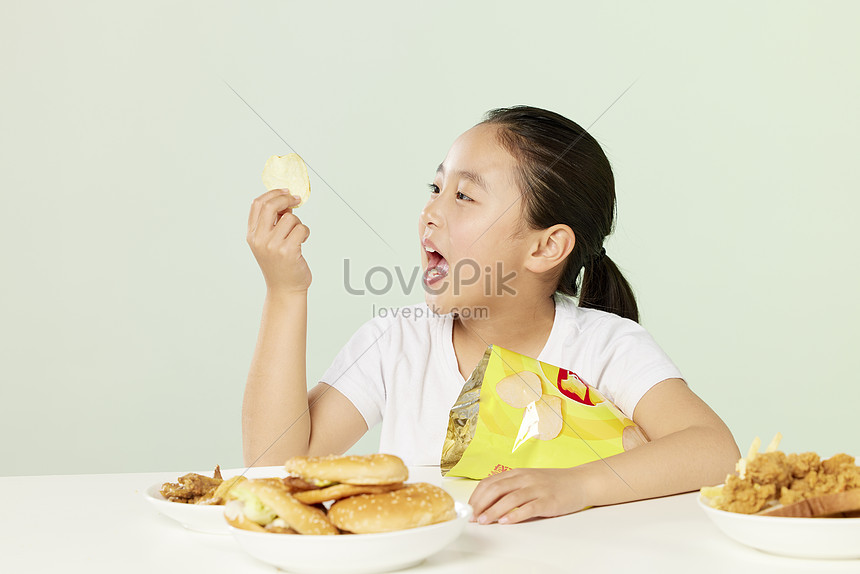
x=551 y=246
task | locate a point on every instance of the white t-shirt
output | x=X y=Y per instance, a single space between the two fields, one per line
x=400 y=369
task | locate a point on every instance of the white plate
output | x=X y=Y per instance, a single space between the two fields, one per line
x=353 y=553
x=797 y=537
x=205 y=518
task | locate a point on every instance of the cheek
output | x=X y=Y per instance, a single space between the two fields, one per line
x=471 y=235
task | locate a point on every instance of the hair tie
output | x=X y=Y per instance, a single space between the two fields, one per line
x=599 y=257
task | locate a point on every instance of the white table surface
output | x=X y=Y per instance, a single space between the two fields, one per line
x=102 y=523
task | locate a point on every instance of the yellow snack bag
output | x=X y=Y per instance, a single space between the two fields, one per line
x=515 y=412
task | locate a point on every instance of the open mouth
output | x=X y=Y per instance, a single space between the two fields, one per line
x=437 y=267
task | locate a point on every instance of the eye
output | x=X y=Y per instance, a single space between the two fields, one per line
x=434 y=190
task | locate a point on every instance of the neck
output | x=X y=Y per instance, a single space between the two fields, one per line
x=521 y=327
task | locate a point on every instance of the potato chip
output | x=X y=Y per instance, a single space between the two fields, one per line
x=287 y=172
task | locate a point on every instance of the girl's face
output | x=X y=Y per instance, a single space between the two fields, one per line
x=470 y=217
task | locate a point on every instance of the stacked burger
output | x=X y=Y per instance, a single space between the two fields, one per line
x=337 y=495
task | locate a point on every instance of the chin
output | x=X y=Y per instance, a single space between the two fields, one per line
x=438 y=303
x=463 y=305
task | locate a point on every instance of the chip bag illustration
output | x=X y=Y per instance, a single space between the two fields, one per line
x=515 y=412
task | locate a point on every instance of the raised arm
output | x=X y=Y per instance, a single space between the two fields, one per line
x=690 y=447
x=277 y=422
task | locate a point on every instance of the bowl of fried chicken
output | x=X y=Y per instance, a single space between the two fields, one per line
x=794 y=504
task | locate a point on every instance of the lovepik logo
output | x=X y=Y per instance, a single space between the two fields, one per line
x=379 y=280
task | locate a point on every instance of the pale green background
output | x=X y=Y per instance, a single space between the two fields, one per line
x=130 y=300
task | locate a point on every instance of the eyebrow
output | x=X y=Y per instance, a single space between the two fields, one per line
x=475 y=178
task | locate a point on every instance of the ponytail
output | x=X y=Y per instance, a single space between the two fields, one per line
x=605 y=288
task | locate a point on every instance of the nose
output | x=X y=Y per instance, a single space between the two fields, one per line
x=431 y=215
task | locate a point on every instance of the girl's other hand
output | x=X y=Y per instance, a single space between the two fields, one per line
x=523 y=493
x=275 y=236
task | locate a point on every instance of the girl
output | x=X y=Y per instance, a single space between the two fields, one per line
x=519 y=208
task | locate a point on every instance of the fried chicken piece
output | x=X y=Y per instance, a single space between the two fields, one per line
x=210 y=498
x=744 y=496
x=770 y=468
x=803 y=463
x=813 y=484
x=762 y=479
x=189 y=487
x=836 y=474
x=839 y=464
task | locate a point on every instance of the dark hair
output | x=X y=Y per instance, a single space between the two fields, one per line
x=566 y=178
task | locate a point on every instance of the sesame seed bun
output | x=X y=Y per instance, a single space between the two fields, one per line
x=366 y=469
x=302 y=518
x=417 y=504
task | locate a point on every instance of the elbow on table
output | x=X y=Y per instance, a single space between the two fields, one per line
x=724 y=454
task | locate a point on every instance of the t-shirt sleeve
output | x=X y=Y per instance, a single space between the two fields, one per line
x=357 y=370
x=630 y=362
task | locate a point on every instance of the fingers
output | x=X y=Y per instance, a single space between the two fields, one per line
x=525 y=511
x=491 y=489
x=505 y=504
x=521 y=494
x=257 y=205
x=265 y=208
x=291 y=227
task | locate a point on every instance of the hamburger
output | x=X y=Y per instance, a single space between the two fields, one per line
x=414 y=505
x=362 y=494
x=319 y=479
x=265 y=504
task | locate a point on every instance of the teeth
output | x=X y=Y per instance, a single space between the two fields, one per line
x=430 y=250
x=434 y=273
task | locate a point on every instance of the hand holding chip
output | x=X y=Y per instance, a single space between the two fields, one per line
x=275 y=234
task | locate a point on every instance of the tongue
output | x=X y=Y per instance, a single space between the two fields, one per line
x=433 y=259
x=436 y=266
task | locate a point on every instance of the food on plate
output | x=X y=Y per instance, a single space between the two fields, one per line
x=338 y=491
x=414 y=505
x=235 y=516
x=371 y=469
x=193 y=488
x=326 y=478
x=287 y=172
x=252 y=507
x=835 y=505
x=271 y=501
x=773 y=483
x=363 y=494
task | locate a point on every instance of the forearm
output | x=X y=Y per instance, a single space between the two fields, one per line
x=679 y=462
x=276 y=397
